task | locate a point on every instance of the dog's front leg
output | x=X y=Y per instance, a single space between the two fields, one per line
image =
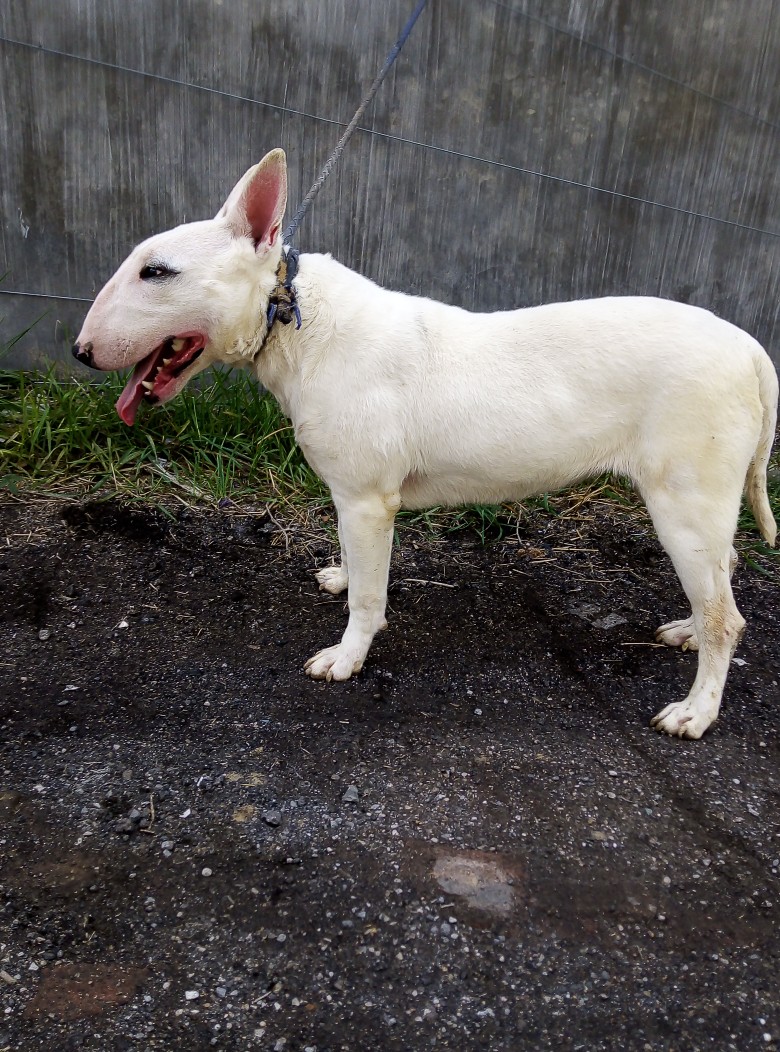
x=366 y=534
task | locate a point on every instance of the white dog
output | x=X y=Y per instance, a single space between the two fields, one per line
x=402 y=402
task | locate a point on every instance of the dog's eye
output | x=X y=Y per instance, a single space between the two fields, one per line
x=155 y=270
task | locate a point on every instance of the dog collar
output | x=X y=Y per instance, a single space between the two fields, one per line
x=283 y=303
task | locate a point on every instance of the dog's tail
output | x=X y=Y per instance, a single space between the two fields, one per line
x=755 y=484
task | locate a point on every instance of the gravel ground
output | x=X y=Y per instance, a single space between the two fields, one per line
x=478 y=843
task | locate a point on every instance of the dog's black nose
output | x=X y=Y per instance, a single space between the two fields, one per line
x=84 y=354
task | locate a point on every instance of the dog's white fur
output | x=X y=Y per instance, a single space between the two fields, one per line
x=403 y=402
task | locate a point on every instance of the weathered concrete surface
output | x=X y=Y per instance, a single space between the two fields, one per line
x=95 y=158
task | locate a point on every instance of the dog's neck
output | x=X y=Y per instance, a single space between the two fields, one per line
x=281 y=306
x=286 y=360
x=276 y=360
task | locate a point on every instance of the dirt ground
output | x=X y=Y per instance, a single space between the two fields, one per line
x=478 y=843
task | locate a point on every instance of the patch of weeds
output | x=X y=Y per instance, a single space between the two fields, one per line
x=489 y=522
x=226 y=439
x=752 y=548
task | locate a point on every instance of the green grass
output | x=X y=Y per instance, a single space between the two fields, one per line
x=223 y=440
x=226 y=440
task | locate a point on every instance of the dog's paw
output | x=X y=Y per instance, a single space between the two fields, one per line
x=683 y=719
x=333 y=579
x=337 y=663
x=678 y=634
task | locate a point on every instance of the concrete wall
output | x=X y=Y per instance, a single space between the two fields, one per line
x=470 y=180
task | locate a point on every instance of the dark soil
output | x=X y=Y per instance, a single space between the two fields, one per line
x=520 y=861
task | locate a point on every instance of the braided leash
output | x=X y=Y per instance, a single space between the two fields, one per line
x=283 y=304
x=330 y=163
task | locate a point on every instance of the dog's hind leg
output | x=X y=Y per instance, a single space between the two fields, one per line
x=696 y=529
x=334 y=579
x=683 y=633
x=366 y=533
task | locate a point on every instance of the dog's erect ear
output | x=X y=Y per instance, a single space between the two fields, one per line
x=255 y=208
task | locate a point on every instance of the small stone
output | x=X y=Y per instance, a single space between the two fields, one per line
x=206 y=872
x=192 y=995
x=281 y=937
x=352 y=795
x=221 y=991
x=272 y=818
x=167 y=845
x=610 y=621
x=44 y=634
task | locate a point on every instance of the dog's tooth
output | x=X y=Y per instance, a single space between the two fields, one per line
x=177 y=344
x=148 y=384
x=167 y=361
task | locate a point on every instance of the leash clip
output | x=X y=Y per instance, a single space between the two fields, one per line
x=283 y=302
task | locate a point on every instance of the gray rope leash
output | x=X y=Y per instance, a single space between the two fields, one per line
x=295 y=222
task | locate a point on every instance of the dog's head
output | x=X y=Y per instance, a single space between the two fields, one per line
x=192 y=296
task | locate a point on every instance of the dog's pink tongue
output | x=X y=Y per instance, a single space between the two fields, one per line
x=129 y=400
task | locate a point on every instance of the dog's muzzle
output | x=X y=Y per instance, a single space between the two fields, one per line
x=84 y=354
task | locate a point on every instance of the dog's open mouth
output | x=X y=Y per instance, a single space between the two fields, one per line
x=155 y=377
